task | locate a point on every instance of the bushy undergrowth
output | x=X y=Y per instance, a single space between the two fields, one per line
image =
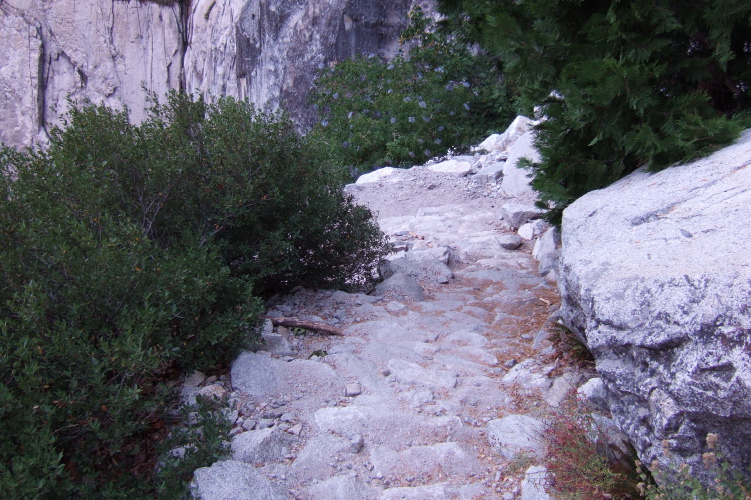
x=131 y=251
x=438 y=96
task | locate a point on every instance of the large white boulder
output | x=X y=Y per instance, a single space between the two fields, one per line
x=501 y=142
x=516 y=180
x=655 y=277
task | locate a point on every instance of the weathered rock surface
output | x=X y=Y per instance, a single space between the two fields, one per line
x=89 y=49
x=107 y=52
x=656 y=278
x=231 y=480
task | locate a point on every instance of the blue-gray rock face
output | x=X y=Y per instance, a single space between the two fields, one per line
x=656 y=279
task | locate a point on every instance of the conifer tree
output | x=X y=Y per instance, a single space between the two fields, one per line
x=622 y=84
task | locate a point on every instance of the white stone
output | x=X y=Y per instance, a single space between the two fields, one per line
x=547 y=243
x=516 y=180
x=500 y=142
x=376 y=175
x=489 y=173
x=533 y=229
x=341 y=487
x=453 y=167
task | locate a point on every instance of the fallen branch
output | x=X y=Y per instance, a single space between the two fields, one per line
x=308 y=325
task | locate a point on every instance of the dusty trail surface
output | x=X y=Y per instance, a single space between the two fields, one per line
x=420 y=399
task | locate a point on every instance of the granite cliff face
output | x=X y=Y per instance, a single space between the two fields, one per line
x=655 y=277
x=112 y=52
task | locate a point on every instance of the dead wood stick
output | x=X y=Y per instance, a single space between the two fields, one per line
x=308 y=325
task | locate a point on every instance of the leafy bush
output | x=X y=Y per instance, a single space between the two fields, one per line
x=622 y=84
x=437 y=97
x=128 y=252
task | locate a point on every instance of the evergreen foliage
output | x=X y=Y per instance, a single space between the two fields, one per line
x=437 y=96
x=129 y=252
x=622 y=84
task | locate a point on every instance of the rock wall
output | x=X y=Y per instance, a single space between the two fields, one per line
x=656 y=278
x=82 y=50
x=109 y=52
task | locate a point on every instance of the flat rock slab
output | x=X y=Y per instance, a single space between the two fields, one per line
x=232 y=480
x=376 y=175
x=265 y=445
x=258 y=375
x=313 y=461
x=453 y=167
x=414 y=374
x=448 y=459
x=429 y=268
x=517 y=434
x=342 y=487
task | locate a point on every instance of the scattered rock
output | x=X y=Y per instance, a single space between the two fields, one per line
x=195 y=379
x=401 y=285
x=516 y=214
x=516 y=180
x=295 y=430
x=489 y=173
x=356 y=443
x=510 y=241
x=352 y=389
x=421 y=254
x=562 y=386
x=501 y=142
x=532 y=230
x=594 y=393
x=276 y=344
x=213 y=391
x=342 y=487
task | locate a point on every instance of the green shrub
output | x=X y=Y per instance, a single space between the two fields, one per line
x=130 y=251
x=437 y=97
x=622 y=84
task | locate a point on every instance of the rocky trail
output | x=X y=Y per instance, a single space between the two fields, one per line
x=444 y=377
